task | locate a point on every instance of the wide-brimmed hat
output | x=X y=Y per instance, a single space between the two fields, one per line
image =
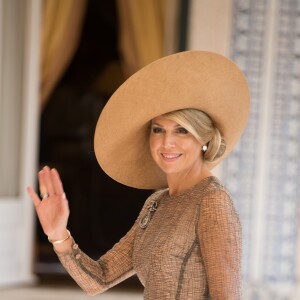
x=193 y=79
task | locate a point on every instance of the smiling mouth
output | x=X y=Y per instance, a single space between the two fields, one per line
x=170 y=156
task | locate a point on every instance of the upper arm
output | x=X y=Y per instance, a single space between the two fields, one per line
x=219 y=233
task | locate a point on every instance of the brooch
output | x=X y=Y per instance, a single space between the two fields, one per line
x=144 y=221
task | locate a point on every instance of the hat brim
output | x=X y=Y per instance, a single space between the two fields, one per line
x=193 y=79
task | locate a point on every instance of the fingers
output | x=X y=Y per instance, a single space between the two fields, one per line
x=35 y=198
x=57 y=184
x=45 y=179
x=50 y=182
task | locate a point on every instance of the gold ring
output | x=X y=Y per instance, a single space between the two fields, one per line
x=44 y=195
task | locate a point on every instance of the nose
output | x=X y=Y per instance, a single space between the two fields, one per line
x=168 y=140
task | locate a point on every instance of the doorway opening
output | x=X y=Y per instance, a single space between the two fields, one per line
x=101 y=210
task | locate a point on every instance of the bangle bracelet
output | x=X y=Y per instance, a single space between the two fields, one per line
x=60 y=241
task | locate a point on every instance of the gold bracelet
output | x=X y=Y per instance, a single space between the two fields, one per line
x=60 y=241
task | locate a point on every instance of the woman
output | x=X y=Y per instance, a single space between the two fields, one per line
x=165 y=128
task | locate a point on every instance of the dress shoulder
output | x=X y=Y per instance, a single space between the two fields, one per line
x=155 y=196
x=207 y=188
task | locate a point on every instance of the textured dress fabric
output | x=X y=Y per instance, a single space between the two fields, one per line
x=190 y=248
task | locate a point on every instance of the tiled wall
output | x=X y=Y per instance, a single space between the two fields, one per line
x=263 y=171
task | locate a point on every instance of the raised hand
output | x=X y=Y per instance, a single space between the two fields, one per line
x=53 y=209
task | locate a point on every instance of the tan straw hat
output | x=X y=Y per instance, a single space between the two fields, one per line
x=193 y=79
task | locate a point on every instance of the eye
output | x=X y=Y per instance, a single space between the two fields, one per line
x=182 y=130
x=156 y=130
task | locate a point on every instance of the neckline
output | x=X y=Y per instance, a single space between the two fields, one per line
x=200 y=185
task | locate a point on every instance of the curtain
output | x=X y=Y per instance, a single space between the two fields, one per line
x=61 y=29
x=146 y=31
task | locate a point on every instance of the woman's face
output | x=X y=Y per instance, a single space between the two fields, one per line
x=173 y=148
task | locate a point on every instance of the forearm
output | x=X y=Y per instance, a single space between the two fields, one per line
x=53 y=212
x=92 y=276
x=75 y=262
x=98 y=276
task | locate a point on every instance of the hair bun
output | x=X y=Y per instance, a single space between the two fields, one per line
x=216 y=147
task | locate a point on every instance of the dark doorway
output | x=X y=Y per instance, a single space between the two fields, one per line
x=102 y=211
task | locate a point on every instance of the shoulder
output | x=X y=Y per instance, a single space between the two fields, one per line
x=211 y=187
x=156 y=196
x=214 y=185
x=217 y=199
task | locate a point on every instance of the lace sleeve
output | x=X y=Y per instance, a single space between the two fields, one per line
x=110 y=269
x=219 y=232
x=96 y=276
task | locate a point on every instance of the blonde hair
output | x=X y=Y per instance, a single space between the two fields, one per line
x=201 y=126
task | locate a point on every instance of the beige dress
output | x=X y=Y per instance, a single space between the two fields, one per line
x=190 y=248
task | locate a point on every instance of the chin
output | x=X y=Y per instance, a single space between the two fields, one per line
x=169 y=171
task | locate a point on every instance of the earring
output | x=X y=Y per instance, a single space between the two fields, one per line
x=204 y=148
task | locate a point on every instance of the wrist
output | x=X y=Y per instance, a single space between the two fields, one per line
x=59 y=237
x=64 y=247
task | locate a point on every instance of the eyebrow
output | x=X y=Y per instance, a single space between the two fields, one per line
x=157 y=124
